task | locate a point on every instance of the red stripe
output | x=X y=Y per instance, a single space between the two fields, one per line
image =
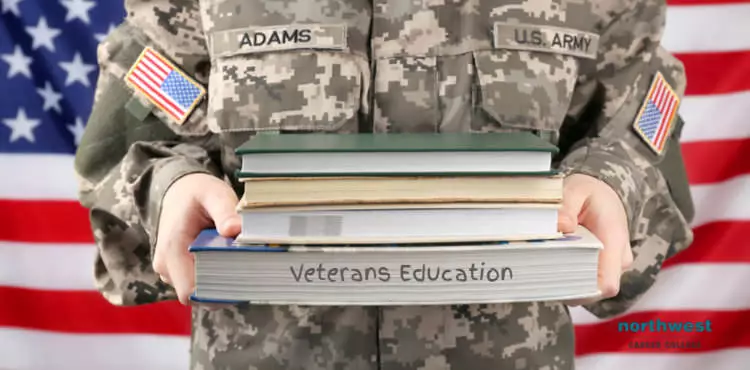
x=658 y=98
x=88 y=312
x=728 y=330
x=716 y=72
x=145 y=68
x=157 y=62
x=716 y=242
x=705 y=2
x=159 y=58
x=666 y=122
x=664 y=105
x=716 y=160
x=44 y=221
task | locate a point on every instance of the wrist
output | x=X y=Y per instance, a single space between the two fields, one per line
x=164 y=177
x=608 y=167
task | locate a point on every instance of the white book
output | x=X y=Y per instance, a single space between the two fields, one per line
x=399 y=223
x=543 y=270
x=408 y=163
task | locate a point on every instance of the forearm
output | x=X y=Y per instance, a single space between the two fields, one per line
x=132 y=152
x=125 y=205
x=614 y=144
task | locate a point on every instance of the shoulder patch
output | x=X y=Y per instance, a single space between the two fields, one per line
x=654 y=120
x=165 y=85
x=532 y=37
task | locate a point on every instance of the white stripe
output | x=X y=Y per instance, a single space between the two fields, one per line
x=732 y=359
x=37 y=350
x=704 y=286
x=47 y=266
x=154 y=92
x=716 y=117
x=696 y=286
x=707 y=28
x=32 y=350
x=37 y=176
x=52 y=178
x=724 y=201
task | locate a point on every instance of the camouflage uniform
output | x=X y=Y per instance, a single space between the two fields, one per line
x=382 y=66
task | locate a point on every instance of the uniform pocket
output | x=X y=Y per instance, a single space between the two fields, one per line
x=283 y=78
x=526 y=81
x=522 y=89
x=405 y=94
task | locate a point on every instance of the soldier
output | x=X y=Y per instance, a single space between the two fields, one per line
x=589 y=76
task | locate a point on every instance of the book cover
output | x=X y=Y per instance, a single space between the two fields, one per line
x=402 y=142
x=209 y=240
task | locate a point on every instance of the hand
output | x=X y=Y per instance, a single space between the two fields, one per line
x=593 y=204
x=191 y=204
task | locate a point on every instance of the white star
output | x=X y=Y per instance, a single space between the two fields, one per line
x=78 y=9
x=51 y=98
x=18 y=63
x=100 y=36
x=42 y=35
x=11 y=6
x=77 y=71
x=21 y=126
x=77 y=130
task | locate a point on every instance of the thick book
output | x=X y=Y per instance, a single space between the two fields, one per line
x=285 y=191
x=461 y=273
x=441 y=154
x=398 y=223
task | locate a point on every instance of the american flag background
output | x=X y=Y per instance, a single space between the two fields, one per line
x=52 y=318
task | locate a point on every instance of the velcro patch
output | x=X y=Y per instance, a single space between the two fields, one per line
x=654 y=120
x=166 y=86
x=533 y=37
x=275 y=38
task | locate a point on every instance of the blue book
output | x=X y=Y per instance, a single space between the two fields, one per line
x=387 y=274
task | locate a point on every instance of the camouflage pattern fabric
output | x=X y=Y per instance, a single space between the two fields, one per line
x=574 y=72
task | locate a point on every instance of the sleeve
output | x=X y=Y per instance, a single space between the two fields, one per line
x=131 y=152
x=599 y=139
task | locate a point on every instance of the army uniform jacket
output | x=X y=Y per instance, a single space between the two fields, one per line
x=574 y=72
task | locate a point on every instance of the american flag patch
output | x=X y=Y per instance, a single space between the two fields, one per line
x=166 y=86
x=655 y=118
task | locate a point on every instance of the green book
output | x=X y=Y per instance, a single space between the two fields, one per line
x=436 y=154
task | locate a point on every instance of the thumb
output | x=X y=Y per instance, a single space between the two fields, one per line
x=220 y=203
x=572 y=203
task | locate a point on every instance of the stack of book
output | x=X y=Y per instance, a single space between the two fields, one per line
x=379 y=219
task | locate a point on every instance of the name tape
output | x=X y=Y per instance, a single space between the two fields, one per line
x=545 y=38
x=275 y=38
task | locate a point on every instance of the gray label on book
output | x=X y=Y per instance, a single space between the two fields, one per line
x=315 y=225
